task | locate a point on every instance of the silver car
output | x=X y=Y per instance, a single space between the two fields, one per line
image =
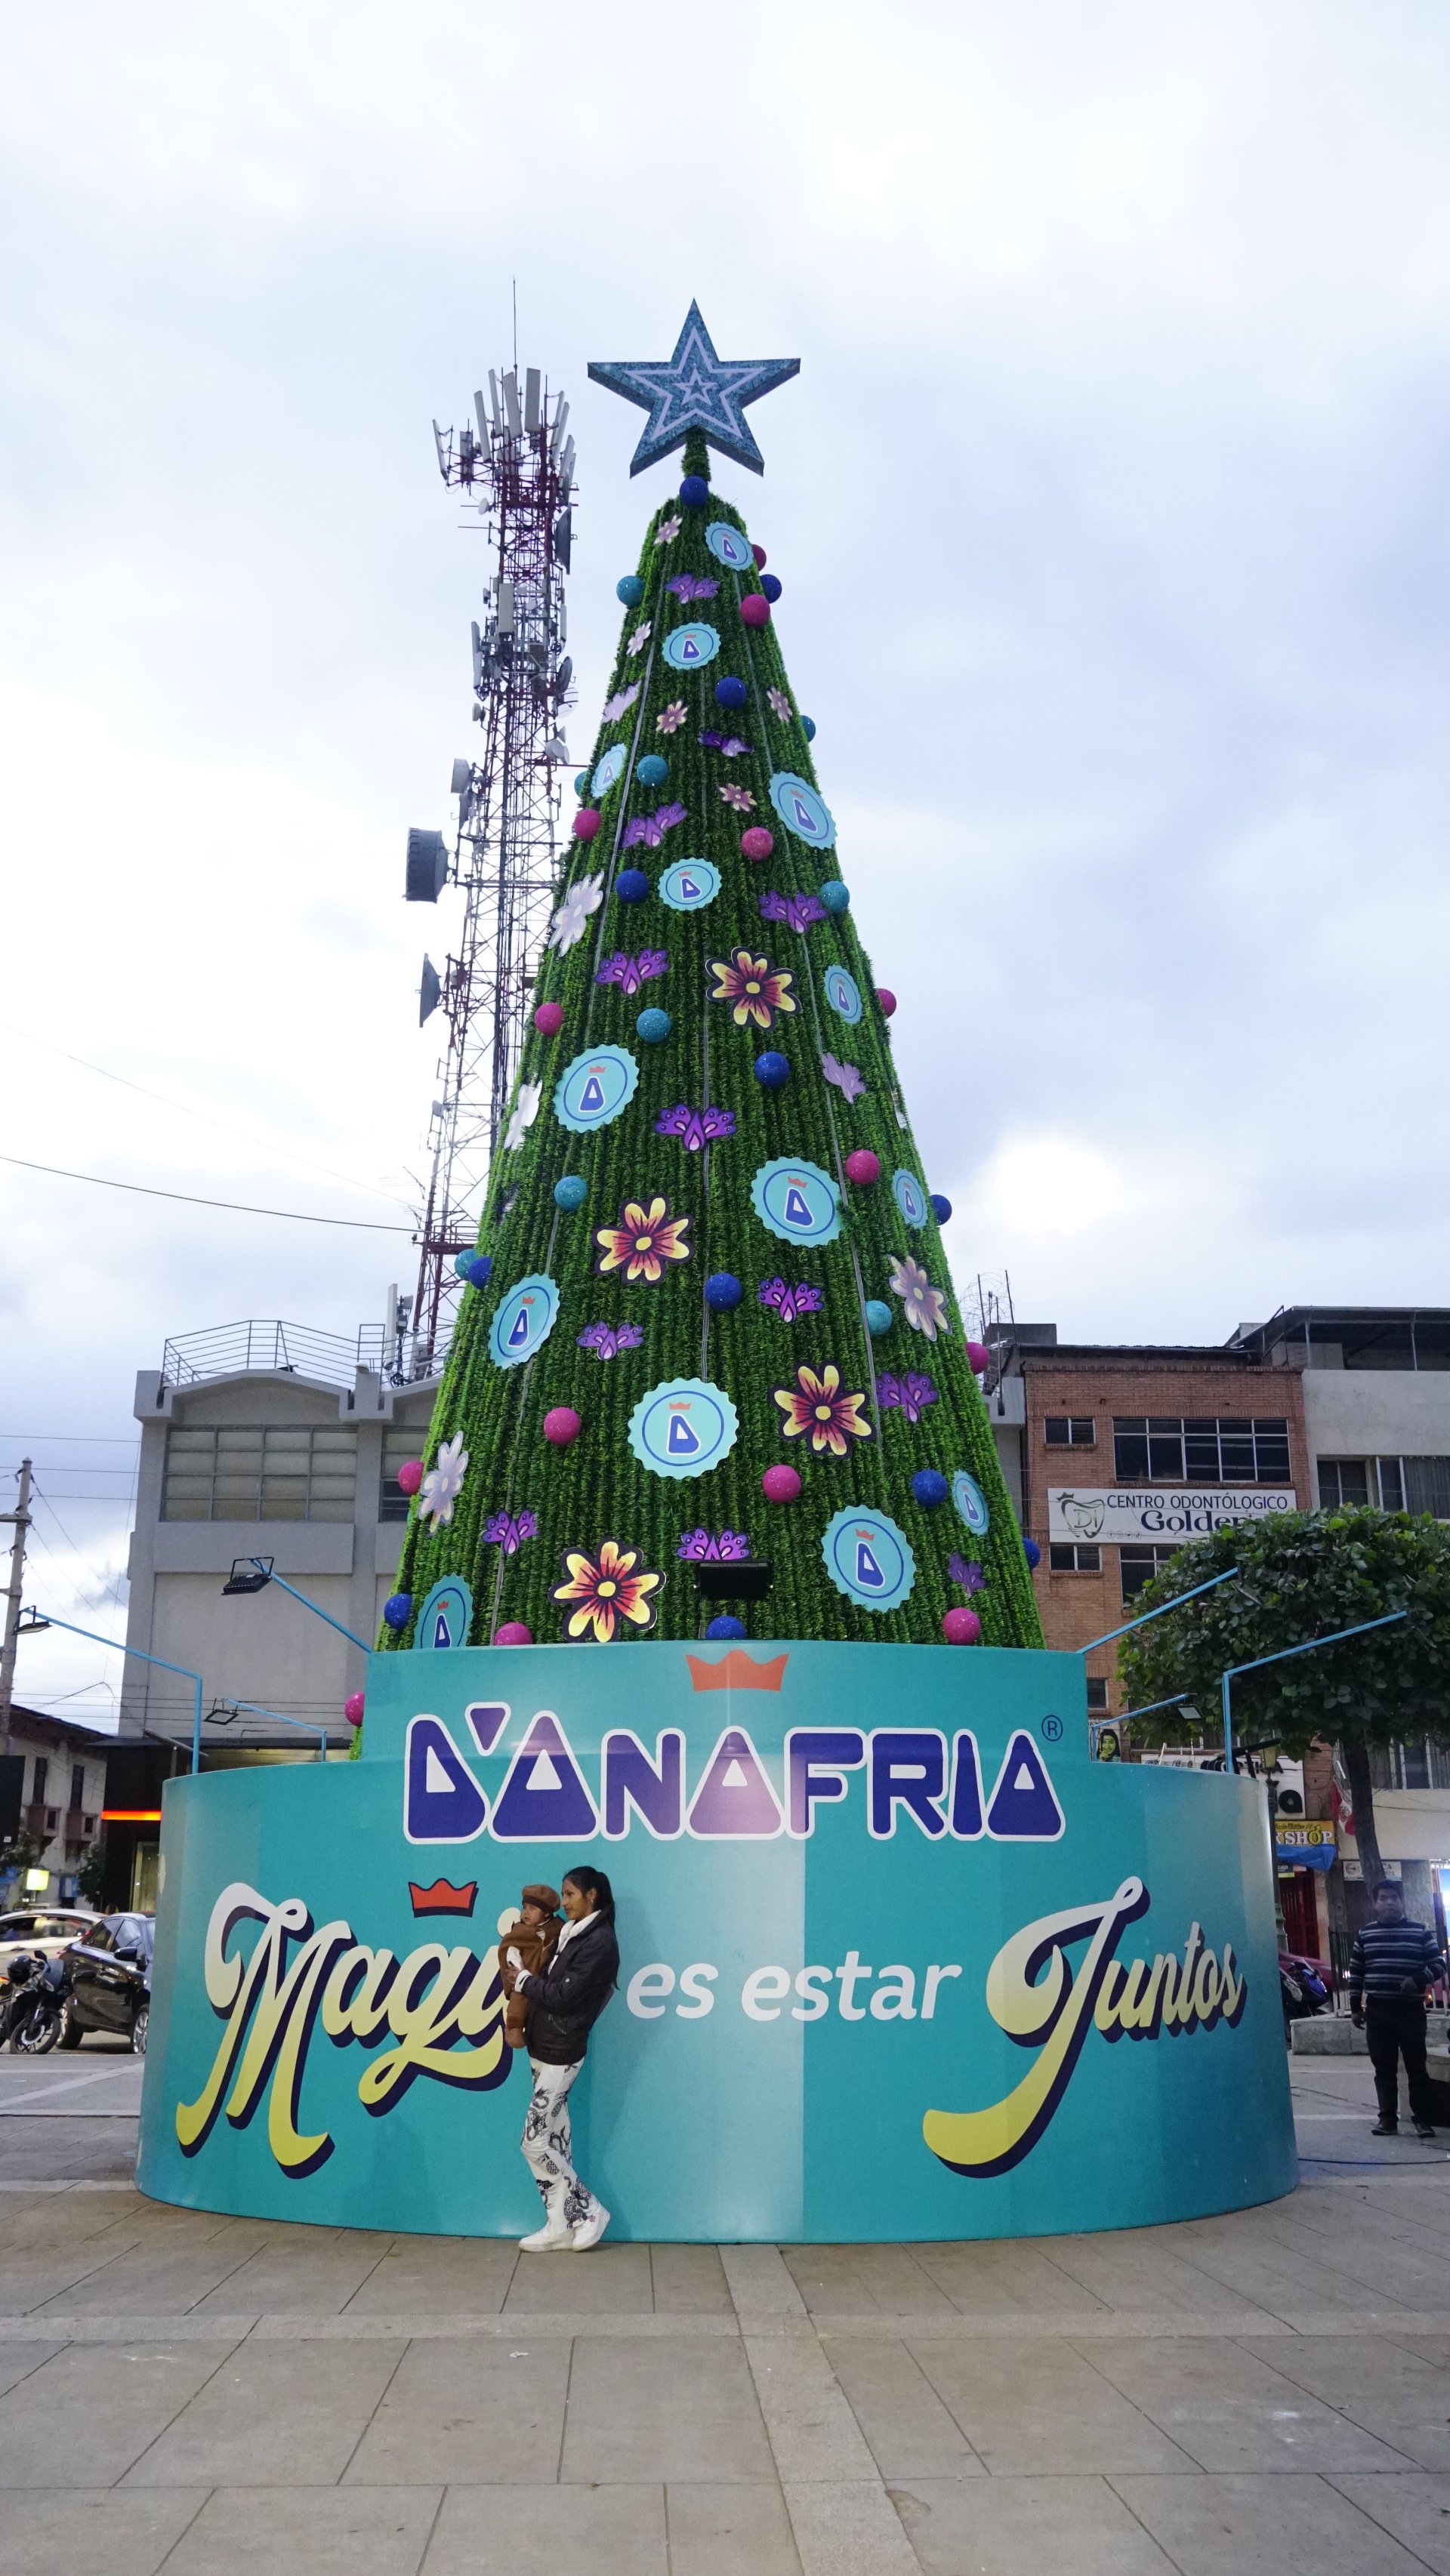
x=43 y=1930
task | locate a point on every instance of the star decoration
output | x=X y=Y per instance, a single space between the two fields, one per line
x=695 y=390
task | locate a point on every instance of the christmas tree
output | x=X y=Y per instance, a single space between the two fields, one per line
x=710 y=1369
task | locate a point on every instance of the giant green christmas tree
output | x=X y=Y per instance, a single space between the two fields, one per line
x=713 y=1318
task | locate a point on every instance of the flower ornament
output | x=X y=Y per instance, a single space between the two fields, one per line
x=607 y=1588
x=695 y=1127
x=912 y=1393
x=798 y=911
x=443 y=1483
x=815 y=1408
x=847 y=1079
x=755 y=989
x=643 y=1241
x=525 y=1111
x=729 y=745
x=651 y=828
x=969 y=1576
x=926 y=1307
x=620 y=703
x=639 y=638
x=605 y=1340
x=670 y=718
x=668 y=530
x=701 y=1547
x=788 y=1303
x=692 y=585
x=780 y=704
x=585 y=896
x=508 y=1530
x=739 y=797
x=630 y=972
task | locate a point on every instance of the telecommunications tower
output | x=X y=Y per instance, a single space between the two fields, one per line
x=517 y=472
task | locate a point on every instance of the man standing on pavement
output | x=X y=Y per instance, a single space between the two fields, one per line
x=1391 y=1966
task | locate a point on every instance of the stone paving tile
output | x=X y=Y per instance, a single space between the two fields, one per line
x=1136 y=2272
x=533 y=2530
x=681 y=2409
x=909 y=2431
x=1071 y=2526
x=282 y=2414
x=314 y=2270
x=1230 y=2411
x=1415 y=2510
x=87 y=2413
x=452 y=2275
x=148 y=2281
x=729 y=2530
x=760 y=2281
x=849 y=2527
x=55 y=2530
x=996 y=2280
x=813 y=2432
x=1262 y=2526
x=308 y=2531
x=1037 y=2406
x=18 y=2360
x=467 y=2414
x=1376 y=2383
x=689 y=2281
x=613 y=2279
x=860 y=2279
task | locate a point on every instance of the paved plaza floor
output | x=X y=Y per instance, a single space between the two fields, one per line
x=1269 y=2391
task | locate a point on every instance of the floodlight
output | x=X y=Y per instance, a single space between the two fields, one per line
x=430 y=991
x=248 y=1574
x=531 y=400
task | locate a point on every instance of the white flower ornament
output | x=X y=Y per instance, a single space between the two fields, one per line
x=443 y=1483
x=584 y=896
x=526 y=1110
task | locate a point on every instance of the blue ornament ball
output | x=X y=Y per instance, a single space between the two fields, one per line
x=571 y=1191
x=808 y=727
x=480 y=1269
x=878 y=1317
x=694 y=491
x=1032 y=1551
x=722 y=1291
x=835 y=896
x=725 y=1626
x=770 y=586
x=730 y=693
x=630 y=589
x=397 y=1609
x=463 y=1263
x=631 y=885
x=941 y=1207
x=929 y=1486
x=773 y=1070
x=652 y=771
x=581 y=785
x=654 y=1027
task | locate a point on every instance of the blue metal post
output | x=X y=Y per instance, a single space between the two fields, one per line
x=1160 y=1613
x=255 y=1709
x=263 y=1568
x=1307 y=1648
x=119 y=1647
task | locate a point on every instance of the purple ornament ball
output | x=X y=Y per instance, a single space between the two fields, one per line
x=961 y=1627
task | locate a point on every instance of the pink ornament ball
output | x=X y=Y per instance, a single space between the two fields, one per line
x=757 y=843
x=586 y=823
x=979 y=1358
x=562 y=1425
x=513 y=1633
x=887 y=1001
x=549 y=1019
x=780 y=1485
x=759 y=554
x=863 y=1167
x=352 y=1708
x=961 y=1627
x=755 y=608
x=410 y=1475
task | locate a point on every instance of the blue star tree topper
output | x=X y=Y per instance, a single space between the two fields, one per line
x=695 y=390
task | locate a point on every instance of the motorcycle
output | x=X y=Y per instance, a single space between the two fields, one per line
x=36 y=1994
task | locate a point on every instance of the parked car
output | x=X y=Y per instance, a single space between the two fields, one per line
x=110 y=1972
x=43 y=1929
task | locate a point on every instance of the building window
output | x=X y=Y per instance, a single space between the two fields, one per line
x=1074 y=1559
x=1137 y=1567
x=1427 y=1485
x=1341 y=1481
x=398 y=1447
x=1201 y=1450
x=1390 y=1476
x=42 y=1775
x=1394 y=1484
x=1097 y=1694
x=77 y=1785
x=1071 y=1431
x=247 y=1475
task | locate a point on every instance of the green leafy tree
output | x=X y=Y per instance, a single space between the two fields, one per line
x=1306 y=1575
x=747 y=1033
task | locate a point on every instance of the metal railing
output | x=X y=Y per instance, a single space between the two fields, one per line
x=266 y=1343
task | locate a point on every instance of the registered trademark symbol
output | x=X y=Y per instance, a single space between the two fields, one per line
x=1051 y=1730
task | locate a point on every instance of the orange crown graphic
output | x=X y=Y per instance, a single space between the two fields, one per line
x=735 y=1671
x=443 y=1897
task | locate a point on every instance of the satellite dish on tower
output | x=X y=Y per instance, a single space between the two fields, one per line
x=427 y=867
x=430 y=991
x=563 y=537
x=458 y=782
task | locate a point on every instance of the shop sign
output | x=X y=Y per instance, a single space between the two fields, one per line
x=1125 y=1515
x=1300 y=1844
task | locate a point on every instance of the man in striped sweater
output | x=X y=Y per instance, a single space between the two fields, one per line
x=1391 y=1965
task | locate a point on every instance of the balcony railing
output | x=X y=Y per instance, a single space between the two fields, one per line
x=292 y=1350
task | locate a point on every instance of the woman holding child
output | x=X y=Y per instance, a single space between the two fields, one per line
x=558 y=1978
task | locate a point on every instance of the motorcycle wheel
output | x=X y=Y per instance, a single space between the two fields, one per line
x=35 y=2035
x=138 y=2031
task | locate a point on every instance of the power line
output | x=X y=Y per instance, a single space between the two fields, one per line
x=237 y=1207
x=92 y=1439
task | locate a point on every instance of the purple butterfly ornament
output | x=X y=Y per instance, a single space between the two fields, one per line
x=695 y=1127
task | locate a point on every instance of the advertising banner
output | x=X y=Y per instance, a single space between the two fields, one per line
x=898 y=1960
x=1124 y=1515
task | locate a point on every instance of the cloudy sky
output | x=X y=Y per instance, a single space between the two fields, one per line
x=1112 y=505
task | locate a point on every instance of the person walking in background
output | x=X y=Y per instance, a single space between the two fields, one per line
x=564 y=1999
x=1392 y=1965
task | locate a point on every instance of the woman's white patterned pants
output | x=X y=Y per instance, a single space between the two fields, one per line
x=548 y=2146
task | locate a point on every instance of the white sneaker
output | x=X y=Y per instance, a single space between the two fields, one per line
x=591 y=2231
x=546 y=2240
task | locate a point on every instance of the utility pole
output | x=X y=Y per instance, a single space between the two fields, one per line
x=21 y=1519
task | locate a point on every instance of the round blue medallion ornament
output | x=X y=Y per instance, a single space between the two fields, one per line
x=725 y=1626
x=723 y=1291
x=654 y=1027
x=683 y=1428
x=802 y=811
x=630 y=589
x=911 y=1198
x=463 y=1263
x=523 y=1321
x=728 y=546
x=798 y=1201
x=808 y=727
x=971 y=1503
x=592 y=1090
x=610 y=769
x=843 y=993
x=772 y=1070
x=689 y=885
x=480 y=1269
x=570 y=1192
x=631 y=885
x=397 y=1610
x=1032 y=1551
x=446 y=1615
x=691 y=647
x=771 y=587
x=581 y=785
x=878 y=1317
x=929 y=1486
x=730 y=693
x=941 y=1207
x=869 y=1559
x=652 y=771
x=835 y=896
x=694 y=491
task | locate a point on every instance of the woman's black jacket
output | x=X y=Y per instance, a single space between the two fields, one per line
x=566 y=2000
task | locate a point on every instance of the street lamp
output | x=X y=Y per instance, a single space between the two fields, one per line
x=34 y=1621
x=254 y=1573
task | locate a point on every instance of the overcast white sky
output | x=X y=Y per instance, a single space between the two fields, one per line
x=1111 y=508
